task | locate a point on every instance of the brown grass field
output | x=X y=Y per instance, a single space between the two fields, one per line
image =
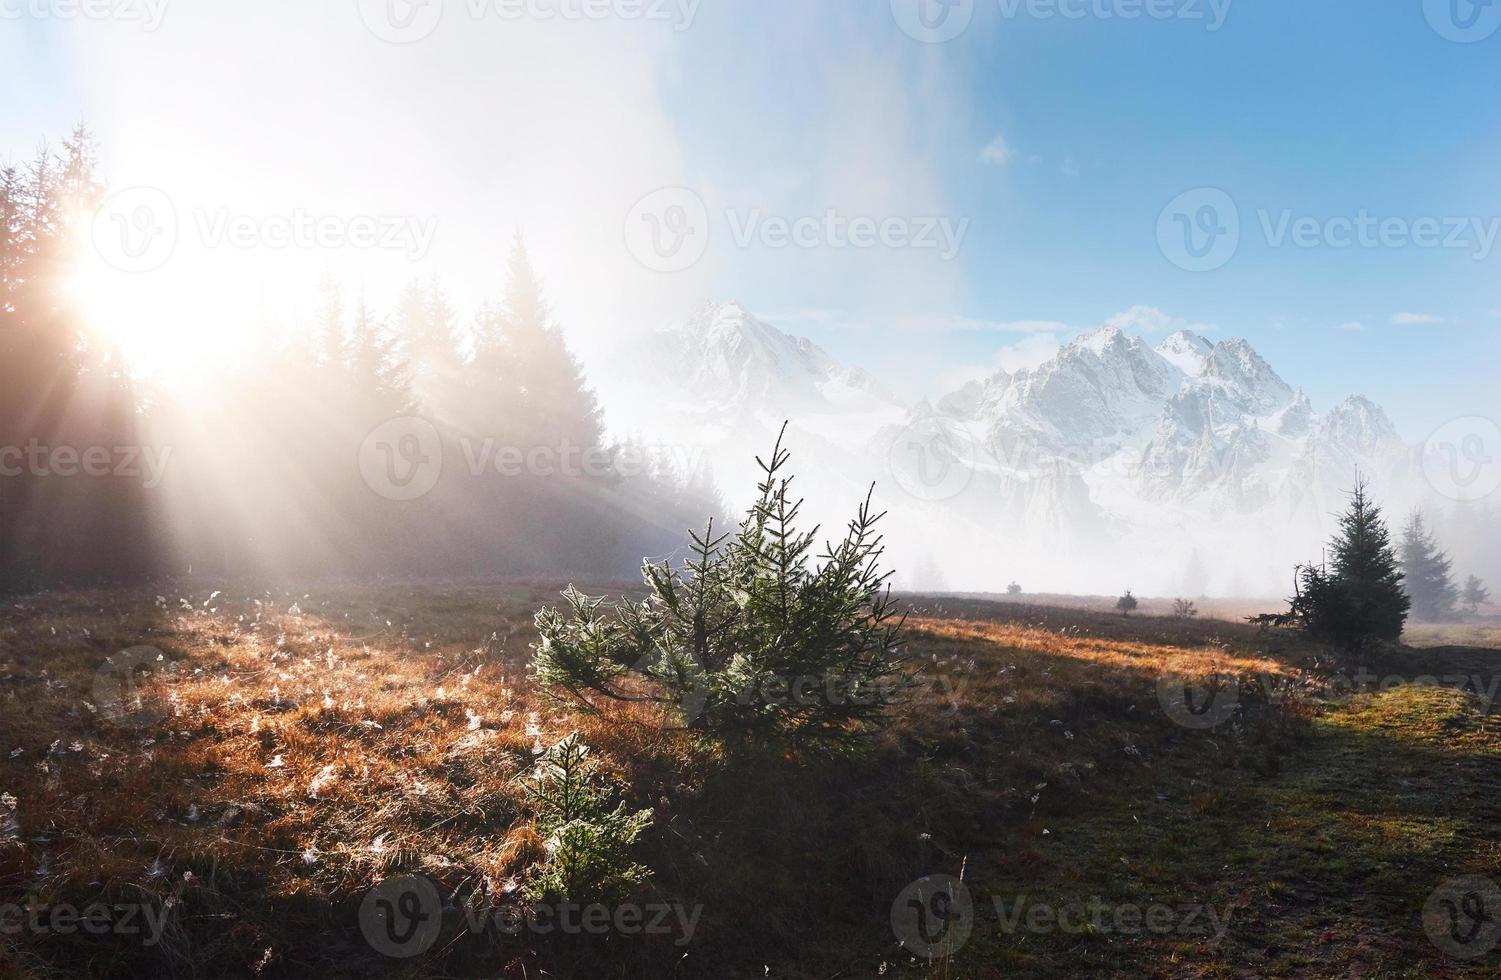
x=244 y=793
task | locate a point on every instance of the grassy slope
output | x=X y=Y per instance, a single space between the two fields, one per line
x=1036 y=757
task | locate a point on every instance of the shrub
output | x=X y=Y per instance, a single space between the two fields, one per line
x=1014 y=589
x=588 y=843
x=1184 y=609
x=751 y=641
x=1126 y=603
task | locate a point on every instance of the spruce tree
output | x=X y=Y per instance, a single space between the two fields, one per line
x=1364 y=570
x=1475 y=593
x=330 y=346
x=427 y=347
x=372 y=372
x=756 y=639
x=551 y=399
x=1427 y=573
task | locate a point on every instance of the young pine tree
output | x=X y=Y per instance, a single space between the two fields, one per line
x=1427 y=573
x=754 y=642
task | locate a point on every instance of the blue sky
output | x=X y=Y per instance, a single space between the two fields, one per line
x=1055 y=142
x=1322 y=108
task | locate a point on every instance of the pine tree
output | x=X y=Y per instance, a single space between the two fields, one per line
x=1427 y=573
x=372 y=373
x=754 y=641
x=330 y=347
x=551 y=400
x=1475 y=593
x=427 y=347
x=1365 y=572
x=1195 y=576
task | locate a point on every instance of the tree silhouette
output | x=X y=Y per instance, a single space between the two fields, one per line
x=1475 y=593
x=1426 y=573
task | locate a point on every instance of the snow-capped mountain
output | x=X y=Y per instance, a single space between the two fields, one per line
x=729 y=362
x=1115 y=463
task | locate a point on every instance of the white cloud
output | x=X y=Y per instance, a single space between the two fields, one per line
x=998 y=152
x=1028 y=352
x=1350 y=327
x=1150 y=319
x=1070 y=166
x=793 y=320
x=1414 y=319
x=1025 y=354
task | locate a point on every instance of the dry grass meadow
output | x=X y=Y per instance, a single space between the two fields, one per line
x=237 y=770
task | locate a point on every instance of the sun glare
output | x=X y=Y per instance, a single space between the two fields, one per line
x=167 y=322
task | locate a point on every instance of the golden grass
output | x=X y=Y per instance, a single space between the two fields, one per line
x=307 y=746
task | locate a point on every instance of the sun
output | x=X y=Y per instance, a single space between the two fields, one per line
x=168 y=322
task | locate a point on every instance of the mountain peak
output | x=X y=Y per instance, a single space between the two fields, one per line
x=1241 y=373
x=727 y=359
x=1187 y=351
x=1359 y=425
x=1099 y=339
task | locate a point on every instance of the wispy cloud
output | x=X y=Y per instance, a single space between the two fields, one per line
x=1350 y=327
x=1025 y=354
x=1414 y=319
x=1028 y=352
x=997 y=152
x=1150 y=319
x=830 y=319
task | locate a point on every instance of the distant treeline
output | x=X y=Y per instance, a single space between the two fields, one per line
x=368 y=445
